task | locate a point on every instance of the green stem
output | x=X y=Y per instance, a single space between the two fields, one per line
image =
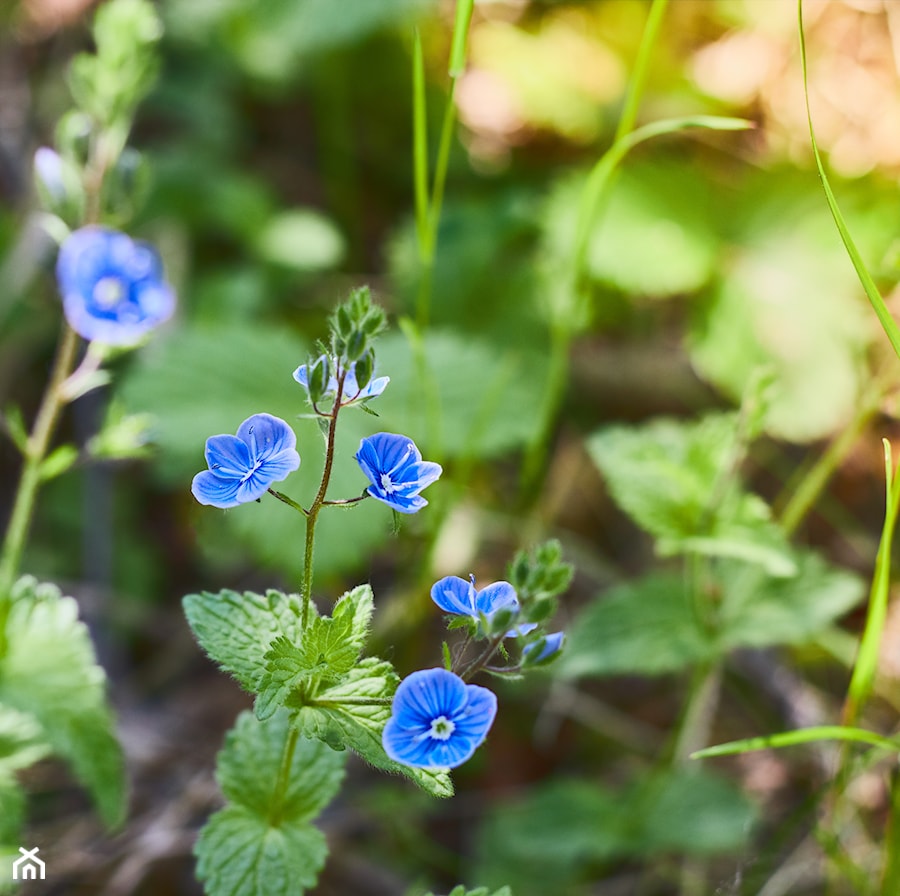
x=313 y=513
x=26 y=495
x=289 y=501
x=284 y=775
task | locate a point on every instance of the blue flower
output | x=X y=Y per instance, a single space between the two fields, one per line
x=455 y=595
x=112 y=288
x=351 y=392
x=549 y=644
x=242 y=467
x=396 y=470
x=437 y=720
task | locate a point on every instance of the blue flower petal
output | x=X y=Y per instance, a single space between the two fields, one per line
x=394 y=466
x=243 y=467
x=214 y=490
x=266 y=436
x=496 y=596
x=548 y=645
x=228 y=456
x=454 y=595
x=434 y=699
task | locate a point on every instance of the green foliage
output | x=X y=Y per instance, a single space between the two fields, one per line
x=481 y=891
x=470 y=393
x=786 y=302
x=50 y=674
x=282 y=39
x=302 y=239
x=653 y=626
x=236 y=630
x=551 y=839
x=675 y=480
x=263 y=842
x=329 y=649
x=110 y=83
x=316 y=673
x=358 y=726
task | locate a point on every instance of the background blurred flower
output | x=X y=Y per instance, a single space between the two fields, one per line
x=437 y=721
x=396 y=470
x=242 y=467
x=112 y=288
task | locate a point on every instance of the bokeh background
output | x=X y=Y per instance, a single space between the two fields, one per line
x=278 y=142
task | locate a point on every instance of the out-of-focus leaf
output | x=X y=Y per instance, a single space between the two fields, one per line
x=673 y=478
x=302 y=239
x=548 y=842
x=787 y=303
x=646 y=627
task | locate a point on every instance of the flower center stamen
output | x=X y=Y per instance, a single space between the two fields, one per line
x=109 y=292
x=387 y=485
x=441 y=728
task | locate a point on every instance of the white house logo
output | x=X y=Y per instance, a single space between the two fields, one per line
x=28 y=866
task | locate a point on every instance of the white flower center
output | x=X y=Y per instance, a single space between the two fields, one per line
x=441 y=728
x=108 y=292
x=387 y=484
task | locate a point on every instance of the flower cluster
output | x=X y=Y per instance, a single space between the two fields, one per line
x=112 y=287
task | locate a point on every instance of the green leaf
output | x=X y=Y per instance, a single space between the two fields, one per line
x=236 y=630
x=248 y=766
x=758 y=611
x=302 y=239
x=549 y=841
x=469 y=399
x=359 y=727
x=22 y=742
x=672 y=478
x=15 y=427
x=786 y=302
x=58 y=462
x=650 y=626
x=329 y=648
x=646 y=627
x=50 y=672
x=12 y=814
x=481 y=891
x=260 y=844
x=240 y=854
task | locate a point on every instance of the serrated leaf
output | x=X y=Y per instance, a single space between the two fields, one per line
x=262 y=844
x=646 y=627
x=240 y=854
x=237 y=629
x=667 y=475
x=22 y=741
x=50 y=672
x=359 y=727
x=249 y=763
x=329 y=648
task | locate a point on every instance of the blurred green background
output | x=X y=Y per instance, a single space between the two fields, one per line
x=279 y=138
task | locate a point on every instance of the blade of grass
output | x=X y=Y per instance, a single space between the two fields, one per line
x=801 y=736
x=863 y=679
x=610 y=160
x=460 y=35
x=888 y=324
